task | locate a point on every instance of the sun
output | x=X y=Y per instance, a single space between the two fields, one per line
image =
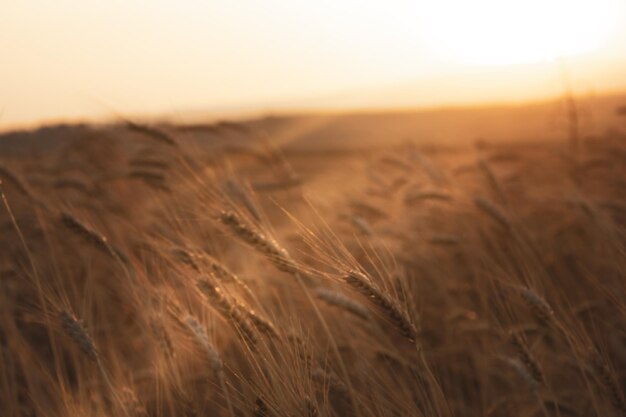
x=501 y=32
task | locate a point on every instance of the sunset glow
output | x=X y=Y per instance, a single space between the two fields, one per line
x=71 y=60
x=507 y=32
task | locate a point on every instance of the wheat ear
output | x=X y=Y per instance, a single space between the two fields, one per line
x=152 y=132
x=258 y=240
x=495 y=212
x=76 y=331
x=389 y=306
x=607 y=377
x=227 y=308
x=527 y=358
x=345 y=303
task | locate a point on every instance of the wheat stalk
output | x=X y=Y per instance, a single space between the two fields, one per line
x=17 y=182
x=264 y=244
x=538 y=305
x=495 y=212
x=339 y=300
x=153 y=179
x=162 y=336
x=262 y=325
x=152 y=133
x=431 y=170
x=228 y=309
x=527 y=358
x=214 y=359
x=186 y=257
x=389 y=306
x=238 y=193
x=225 y=275
x=84 y=231
x=522 y=371
x=100 y=242
x=202 y=339
x=609 y=381
x=218 y=270
x=492 y=179
x=76 y=331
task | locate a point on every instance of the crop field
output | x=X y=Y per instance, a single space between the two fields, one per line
x=216 y=270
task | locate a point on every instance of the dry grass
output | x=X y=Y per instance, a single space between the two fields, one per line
x=422 y=282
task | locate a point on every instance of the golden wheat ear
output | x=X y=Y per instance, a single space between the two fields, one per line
x=388 y=305
x=227 y=309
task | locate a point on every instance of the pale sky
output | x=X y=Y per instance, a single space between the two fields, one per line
x=69 y=60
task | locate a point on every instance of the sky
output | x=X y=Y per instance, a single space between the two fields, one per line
x=73 y=60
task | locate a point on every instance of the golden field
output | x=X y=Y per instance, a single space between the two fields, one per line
x=443 y=263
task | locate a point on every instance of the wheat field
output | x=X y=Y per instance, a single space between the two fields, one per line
x=144 y=273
